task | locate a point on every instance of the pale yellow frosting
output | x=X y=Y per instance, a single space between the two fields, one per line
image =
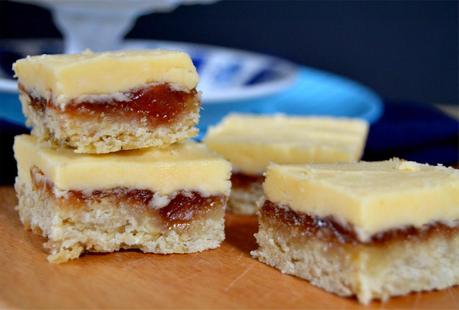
x=251 y=142
x=372 y=196
x=66 y=77
x=189 y=167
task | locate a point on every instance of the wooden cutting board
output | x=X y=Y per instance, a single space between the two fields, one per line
x=223 y=278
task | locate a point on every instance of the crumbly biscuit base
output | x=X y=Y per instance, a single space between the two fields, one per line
x=368 y=272
x=243 y=200
x=103 y=226
x=106 y=136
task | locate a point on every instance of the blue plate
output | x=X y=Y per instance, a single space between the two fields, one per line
x=314 y=92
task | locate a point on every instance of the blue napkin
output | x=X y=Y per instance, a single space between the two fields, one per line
x=414 y=131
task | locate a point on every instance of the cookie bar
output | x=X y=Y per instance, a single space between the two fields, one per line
x=251 y=142
x=106 y=102
x=155 y=200
x=373 y=230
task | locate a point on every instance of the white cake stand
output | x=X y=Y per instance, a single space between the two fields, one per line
x=100 y=25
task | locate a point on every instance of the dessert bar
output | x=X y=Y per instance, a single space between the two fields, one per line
x=156 y=200
x=373 y=230
x=251 y=142
x=106 y=102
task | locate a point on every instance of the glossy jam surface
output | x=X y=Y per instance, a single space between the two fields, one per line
x=182 y=208
x=185 y=207
x=241 y=180
x=158 y=104
x=328 y=229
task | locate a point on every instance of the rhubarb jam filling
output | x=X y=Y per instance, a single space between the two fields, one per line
x=182 y=208
x=328 y=229
x=157 y=104
x=242 y=180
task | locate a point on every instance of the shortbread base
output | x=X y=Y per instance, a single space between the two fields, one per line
x=243 y=200
x=367 y=271
x=105 y=226
x=246 y=192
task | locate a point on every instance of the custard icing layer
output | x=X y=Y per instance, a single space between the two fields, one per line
x=62 y=78
x=251 y=142
x=181 y=167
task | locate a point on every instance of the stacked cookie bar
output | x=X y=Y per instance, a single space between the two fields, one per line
x=106 y=102
x=108 y=166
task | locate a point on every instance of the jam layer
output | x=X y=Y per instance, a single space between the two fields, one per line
x=328 y=229
x=183 y=208
x=158 y=104
x=242 y=180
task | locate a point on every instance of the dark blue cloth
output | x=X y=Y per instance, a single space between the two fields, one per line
x=408 y=130
x=414 y=131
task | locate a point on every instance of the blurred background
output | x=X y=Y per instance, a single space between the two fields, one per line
x=396 y=63
x=401 y=49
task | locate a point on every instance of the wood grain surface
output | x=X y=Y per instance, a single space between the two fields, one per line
x=223 y=278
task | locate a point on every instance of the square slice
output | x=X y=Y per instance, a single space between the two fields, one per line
x=251 y=142
x=156 y=200
x=106 y=102
x=373 y=230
